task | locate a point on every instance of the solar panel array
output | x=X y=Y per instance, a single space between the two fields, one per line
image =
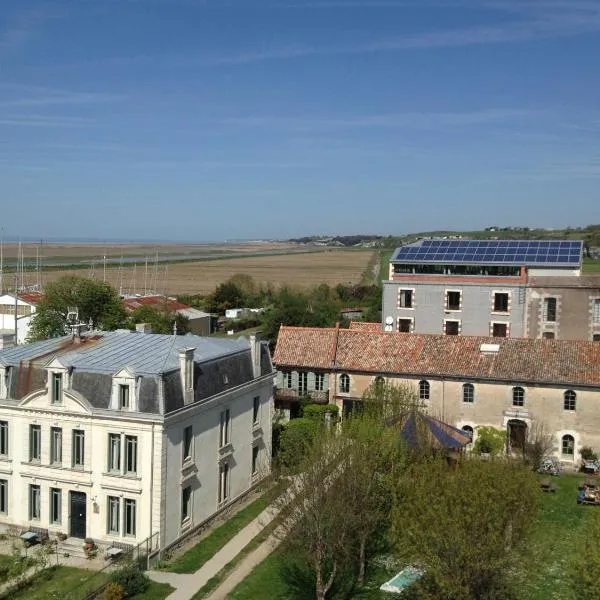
x=502 y=252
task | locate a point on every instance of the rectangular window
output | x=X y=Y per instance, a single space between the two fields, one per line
x=55 y=506
x=225 y=428
x=320 y=382
x=35 y=443
x=34 y=502
x=596 y=311
x=3 y=438
x=55 y=446
x=287 y=380
x=452 y=327
x=3 y=497
x=56 y=388
x=501 y=302
x=114 y=508
x=186 y=503
x=188 y=437
x=255 y=452
x=130 y=454
x=223 y=482
x=596 y=337
x=129 y=525
x=302 y=383
x=405 y=299
x=78 y=449
x=255 y=409
x=453 y=300
x=404 y=325
x=549 y=311
x=548 y=335
x=123 y=397
x=114 y=452
x=499 y=330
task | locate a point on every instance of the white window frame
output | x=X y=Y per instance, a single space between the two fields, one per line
x=571 y=400
x=56 y=391
x=126 y=379
x=78 y=448
x=129 y=531
x=56 y=446
x=113 y=522
x=422 y=384
x=224 y=482
x=35 y=449
x=509 y=302
x=344 y=389
x=225 y=428
x=255 y=460
x=545 y=319
x=595 y=311
x=513 y=390
x=124 y=392
x=412 y=298
x=3 y=496
x=35 y=502
x=460 y=300
x=302 y=383
x=411 y=326
x=571 y=455
x=114 y=453
x=4 y=438
x=55 y=517
x=492 y=323
x=464 y=388
x=459 y=321
x=130 y=449
x=256 y=405
x=320 y=382
x=189 y=505
x=187 y=453
x=287 y=380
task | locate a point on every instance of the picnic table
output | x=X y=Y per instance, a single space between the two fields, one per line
x=547 y=485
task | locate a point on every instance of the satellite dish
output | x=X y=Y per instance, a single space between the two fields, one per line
x=388 y=328
x=389 y=320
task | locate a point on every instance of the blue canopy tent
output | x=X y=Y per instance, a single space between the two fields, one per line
x=418 y=430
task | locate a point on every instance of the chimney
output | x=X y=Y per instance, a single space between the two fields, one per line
x=143 y=328
x=186 y=371
x=255 y=347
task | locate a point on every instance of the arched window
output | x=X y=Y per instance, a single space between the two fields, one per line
x=518 y=396
x=568 y=445
x=468 y=430
x=570 y=400
x=344 y=383
x=424 y=390
x=468 y=393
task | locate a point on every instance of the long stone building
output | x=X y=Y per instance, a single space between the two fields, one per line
x=466 y=380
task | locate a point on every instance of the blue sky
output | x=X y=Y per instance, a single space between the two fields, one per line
x=222 y=119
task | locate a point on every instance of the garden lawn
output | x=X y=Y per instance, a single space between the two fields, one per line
x=204 y=550
x=155 y=591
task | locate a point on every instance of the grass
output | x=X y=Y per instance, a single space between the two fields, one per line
x=155 y=591
x=384 y=264
x=555 y=539
x=591 y=266
x=194 y=558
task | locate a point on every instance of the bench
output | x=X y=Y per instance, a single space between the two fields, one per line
x=118 y=549
x=35 y=535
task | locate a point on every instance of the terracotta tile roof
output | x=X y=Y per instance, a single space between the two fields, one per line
x=581 y=281
x=31 y=297
x=565 y=362
x=155 y=301
x=364 y=326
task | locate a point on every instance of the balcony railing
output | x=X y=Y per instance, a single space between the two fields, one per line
x=295 y=394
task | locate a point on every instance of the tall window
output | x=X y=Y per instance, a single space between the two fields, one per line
x=570 y=400
x=424 y=390
x=255 y=409
x=35 y=443
x=3 y=497
x=468 y=393
x=568 y=445
x=223 y=482
x=596 y=311
x=3 y=438
x=287 y=380
x=78 y=449
x=255 y=451
x=453 y=300
x=55 y=506
x=114 y=452
x=123 y=397
x=113 y=514
x=549 y=310
x=129 y=525
x=130 y=454
x=34 y=502
x=405 y=298
x=56 y=388
x=225 y=428
x=501 y=302
x=188 y=437
x=319 y=382
x=302 y=383
x=186 y=503
x=344 y=384
x=518 y=396
x=55 y=446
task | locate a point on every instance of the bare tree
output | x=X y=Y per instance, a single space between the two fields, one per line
x=539 y=443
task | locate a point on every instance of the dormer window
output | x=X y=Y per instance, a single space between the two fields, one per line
x=56 y=389
x=124 y=397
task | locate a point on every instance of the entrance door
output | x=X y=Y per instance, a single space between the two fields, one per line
x=517 y=435
x=78 y=514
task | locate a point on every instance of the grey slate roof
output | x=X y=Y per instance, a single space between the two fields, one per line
x=111 y=351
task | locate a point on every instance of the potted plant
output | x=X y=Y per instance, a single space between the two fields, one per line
x=61 y=536
x=89 y=547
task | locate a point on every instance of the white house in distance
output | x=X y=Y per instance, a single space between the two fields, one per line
x=26 y=306
x=122 y=435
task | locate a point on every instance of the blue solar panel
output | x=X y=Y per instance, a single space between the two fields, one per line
x=508 y=252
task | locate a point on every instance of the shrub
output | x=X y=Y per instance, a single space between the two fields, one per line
x=588 y=454
x=320 y=411
x=490 y=441
x=131 y=580
x=113 y=591
x=295 y=439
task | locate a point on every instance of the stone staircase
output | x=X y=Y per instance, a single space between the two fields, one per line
x=71 y=546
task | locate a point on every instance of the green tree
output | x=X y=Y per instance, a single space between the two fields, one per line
x=160 y=318
x=585 y=564
x=490 y=440
x=96 y=302
x=227 y=295
x=467 y=527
